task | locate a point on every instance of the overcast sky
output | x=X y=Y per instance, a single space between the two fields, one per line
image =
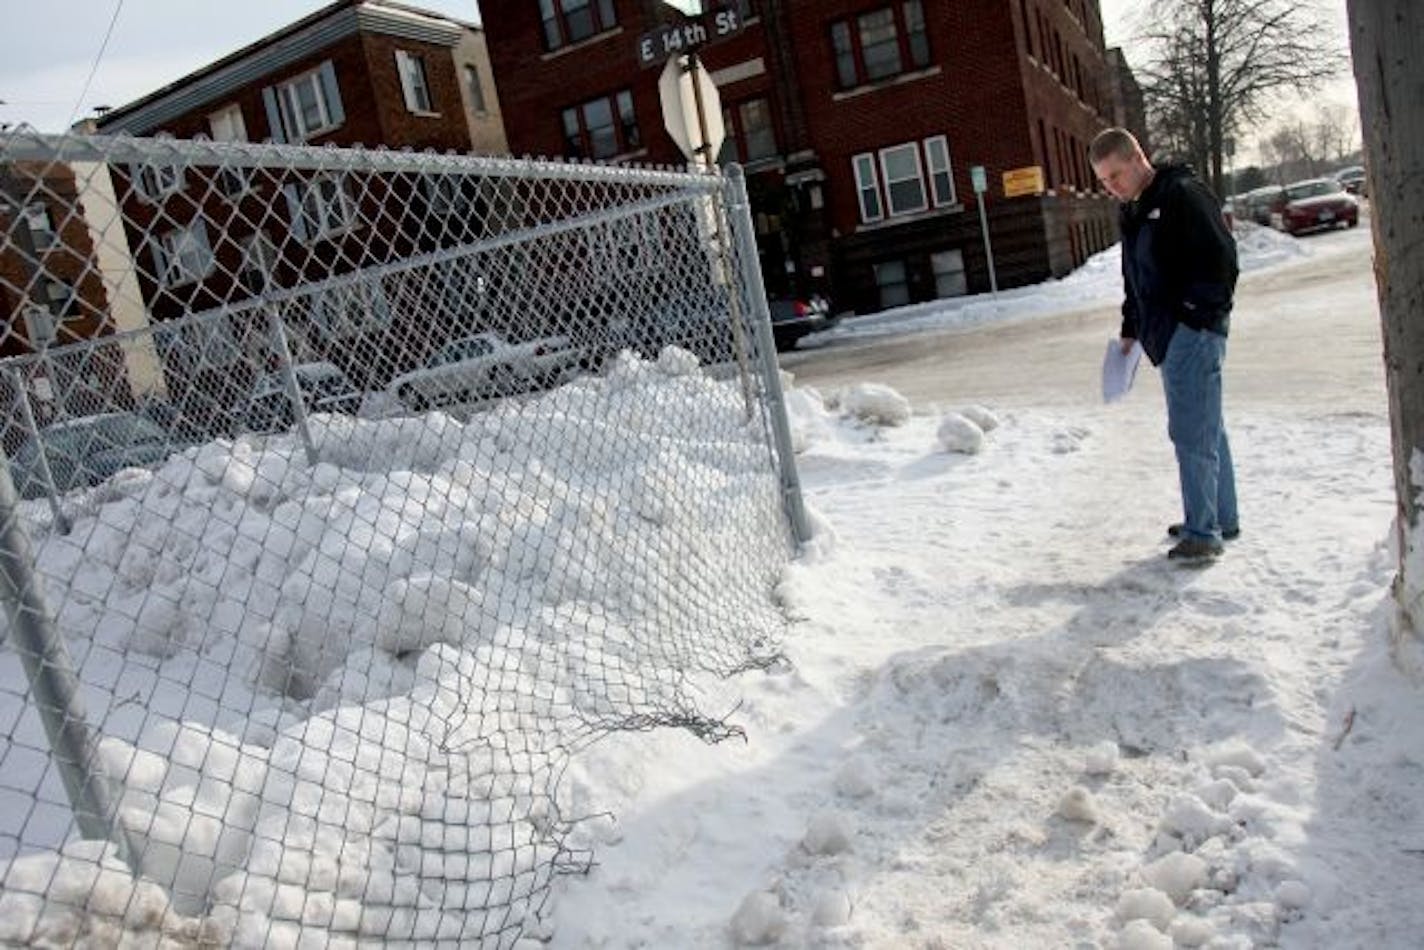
x=43 y=69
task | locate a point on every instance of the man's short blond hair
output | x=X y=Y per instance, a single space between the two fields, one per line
x=1114 y=141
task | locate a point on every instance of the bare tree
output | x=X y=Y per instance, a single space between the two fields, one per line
x=1213 y=66
x=1388 y=41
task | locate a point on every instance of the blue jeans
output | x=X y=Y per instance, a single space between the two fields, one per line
x=1191 y=376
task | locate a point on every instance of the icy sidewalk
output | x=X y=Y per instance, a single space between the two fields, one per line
x=1010 y=722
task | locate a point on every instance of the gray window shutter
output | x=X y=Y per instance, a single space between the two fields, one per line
x=274 y=114
x=332 y=93
x=294 y=211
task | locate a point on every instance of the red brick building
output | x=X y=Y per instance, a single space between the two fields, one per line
x=858 y=122
x=208 y=239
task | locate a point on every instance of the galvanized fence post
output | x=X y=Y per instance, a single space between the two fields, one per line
x=32 y=429
x=289 y=378
x=53 y=681
x=740 y=217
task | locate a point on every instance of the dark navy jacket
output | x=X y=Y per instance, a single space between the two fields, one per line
x=1178 y=261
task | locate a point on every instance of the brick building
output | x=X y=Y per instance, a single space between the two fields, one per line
x=1129 y=110
x=857 y=121
x=207 y=239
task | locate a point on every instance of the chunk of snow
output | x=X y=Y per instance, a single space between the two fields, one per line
x=1101 y=759
x=1293 y=895
x=831 y=908
x=958 y=434
x=1141 y=935
x=1189 y=931
x=856 y=778
x=1078 y=804
x=981 y=417
x=830 y=832
x=1146 y=903
x=876 y=404
x=1239 y=754
x=1176 y=875
x=759 y=920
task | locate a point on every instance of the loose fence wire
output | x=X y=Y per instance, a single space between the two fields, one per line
x=350 y=494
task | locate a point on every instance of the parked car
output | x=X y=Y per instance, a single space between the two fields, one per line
x=324 y=387
x=89 y=450
x=1318 y=203
x=792 y=319
x=1352 y=179
x=1264 y=205
x=486 y=366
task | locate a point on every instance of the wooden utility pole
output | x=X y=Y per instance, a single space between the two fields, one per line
x=1387 y=41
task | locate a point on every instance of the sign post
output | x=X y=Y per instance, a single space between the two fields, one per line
x=981 y=185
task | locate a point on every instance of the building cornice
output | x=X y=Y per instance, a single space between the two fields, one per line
x=209 y=86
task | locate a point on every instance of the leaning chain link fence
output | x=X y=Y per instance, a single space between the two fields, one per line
x=350 y=494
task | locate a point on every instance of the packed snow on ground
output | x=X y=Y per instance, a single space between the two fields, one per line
x=1098 y=281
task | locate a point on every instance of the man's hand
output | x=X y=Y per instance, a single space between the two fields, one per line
x=1126 y=343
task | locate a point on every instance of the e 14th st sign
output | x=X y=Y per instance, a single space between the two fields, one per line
x=689 y=35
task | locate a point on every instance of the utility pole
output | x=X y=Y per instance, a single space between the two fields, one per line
x=1387 y=40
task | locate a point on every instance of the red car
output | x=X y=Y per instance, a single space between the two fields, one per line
x=1318 y=203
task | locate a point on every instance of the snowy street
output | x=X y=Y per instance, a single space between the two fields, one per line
x=1007 y=720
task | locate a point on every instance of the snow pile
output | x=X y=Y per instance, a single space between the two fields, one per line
x=336 y=696
x=876 y=404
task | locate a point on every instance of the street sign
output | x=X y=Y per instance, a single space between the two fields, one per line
x=692 y=109
x=691 y=34
x=978 y=179
x=1023 y=181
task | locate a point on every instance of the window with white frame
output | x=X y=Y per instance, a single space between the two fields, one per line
x=41 y=226
x=867 y=185
x=183 y=255
x=155 y=181
x=572 y=21
x=414 y=85
x=259 y=262
x=320 y=208
x=227 y=125
x=904 y=179
x=880 y=44
x=941 y=175
x=308 y=105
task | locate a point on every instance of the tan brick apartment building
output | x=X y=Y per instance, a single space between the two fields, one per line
x=858 y=122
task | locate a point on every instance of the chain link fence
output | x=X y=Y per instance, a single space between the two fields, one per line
x=349 y=495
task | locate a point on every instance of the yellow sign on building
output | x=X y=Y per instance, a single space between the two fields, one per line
x=1023 y=181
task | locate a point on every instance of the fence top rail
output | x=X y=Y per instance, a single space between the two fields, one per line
x=24 y=145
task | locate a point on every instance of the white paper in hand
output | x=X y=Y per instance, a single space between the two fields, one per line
x=1119 y=369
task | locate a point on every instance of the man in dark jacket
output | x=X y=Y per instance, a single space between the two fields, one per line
x=1179 y=274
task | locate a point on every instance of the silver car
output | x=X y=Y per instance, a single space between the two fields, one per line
x=486 y=366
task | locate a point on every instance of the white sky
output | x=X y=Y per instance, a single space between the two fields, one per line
x=43 y=70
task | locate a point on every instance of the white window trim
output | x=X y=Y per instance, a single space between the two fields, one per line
x=890 y=210
x=225 y=114
x=152 y=182
x=940 y=202
x=291 y=106
x=862 y=186
x=410 y=67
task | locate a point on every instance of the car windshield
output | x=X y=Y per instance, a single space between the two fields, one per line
x=1310 y=189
